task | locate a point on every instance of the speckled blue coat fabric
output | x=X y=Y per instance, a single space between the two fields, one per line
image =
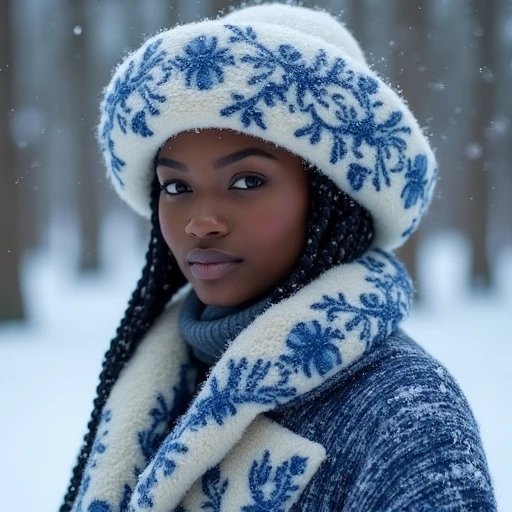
x=399 y=434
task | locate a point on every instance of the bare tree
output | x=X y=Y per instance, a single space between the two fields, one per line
x=358 y=21
x=89 y=170
x=479 y=147
x=11 y=304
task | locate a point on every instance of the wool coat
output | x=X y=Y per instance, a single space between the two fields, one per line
x=321 y=404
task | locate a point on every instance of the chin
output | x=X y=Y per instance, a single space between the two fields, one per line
x=217 y=297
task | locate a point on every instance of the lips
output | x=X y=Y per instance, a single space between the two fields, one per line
x=210 y=256
x=208 y=264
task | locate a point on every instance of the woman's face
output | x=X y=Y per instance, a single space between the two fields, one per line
x=233 y=211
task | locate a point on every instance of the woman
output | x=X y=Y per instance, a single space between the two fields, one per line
x=260 y=364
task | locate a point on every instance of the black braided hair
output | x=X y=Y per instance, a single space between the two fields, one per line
x=339 y=230
x=161 y=279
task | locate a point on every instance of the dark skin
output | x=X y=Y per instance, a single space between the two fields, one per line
x=238 y=194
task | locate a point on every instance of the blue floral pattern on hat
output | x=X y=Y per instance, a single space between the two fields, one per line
x=338 y=110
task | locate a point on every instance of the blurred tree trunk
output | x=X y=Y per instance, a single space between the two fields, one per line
x=478 y=149
x=83 y=117
x=357 y=22
x=29 y=119
x=411 y=35
x=217 y=8
x=11 y=304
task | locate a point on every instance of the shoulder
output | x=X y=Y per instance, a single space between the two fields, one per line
x=398 y=425
x=398 y=377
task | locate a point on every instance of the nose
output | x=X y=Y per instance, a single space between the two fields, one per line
x=207 y=226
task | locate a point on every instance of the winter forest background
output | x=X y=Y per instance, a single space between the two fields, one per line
x=71 y=252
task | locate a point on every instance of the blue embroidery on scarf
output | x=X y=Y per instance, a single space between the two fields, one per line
x=387 y=307
x=98 y=448
x=271 y=488
x=376 y=315
x=165 y=461
x=214 y=489
x=150 y=440
x=245 y=384
x=99 y=506
x=312 y=346
x=163 y=415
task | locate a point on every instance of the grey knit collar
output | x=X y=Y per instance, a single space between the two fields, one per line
x=210 y=329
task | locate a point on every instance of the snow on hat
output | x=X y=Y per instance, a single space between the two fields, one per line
x=286 y=74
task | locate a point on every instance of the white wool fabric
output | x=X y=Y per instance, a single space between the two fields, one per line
x=289 y=75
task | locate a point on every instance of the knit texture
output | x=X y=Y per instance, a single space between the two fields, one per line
x=399 y=435
x=210 y=329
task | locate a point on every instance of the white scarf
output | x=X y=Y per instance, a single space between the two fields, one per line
x=224 y=454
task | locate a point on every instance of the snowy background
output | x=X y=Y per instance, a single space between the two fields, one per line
x=49 y=366
x=453 y=61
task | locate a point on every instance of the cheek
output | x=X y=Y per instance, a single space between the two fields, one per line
x=281 y=224
x=168 y=228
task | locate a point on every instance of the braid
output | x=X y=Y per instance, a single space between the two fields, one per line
x=160 y=280
x=339 y=231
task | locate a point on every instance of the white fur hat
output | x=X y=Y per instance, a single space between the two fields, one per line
x=289 y=75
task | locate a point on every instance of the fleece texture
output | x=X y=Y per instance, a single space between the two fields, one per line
x=289 y=75
x=320 y=404
x=145 y=458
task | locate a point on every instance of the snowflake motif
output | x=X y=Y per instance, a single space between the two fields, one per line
x=272 y=488
x=213 y=489
x=285 y=77
x=139 y=79
x=204 y=63
x=312 y=347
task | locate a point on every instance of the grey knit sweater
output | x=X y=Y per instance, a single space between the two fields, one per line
x=399 y=434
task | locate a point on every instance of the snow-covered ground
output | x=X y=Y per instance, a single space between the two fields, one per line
x=49 y=367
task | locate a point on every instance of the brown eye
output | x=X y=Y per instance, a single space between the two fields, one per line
x=175 y=187
x=248 y=182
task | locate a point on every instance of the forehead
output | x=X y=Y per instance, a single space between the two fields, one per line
x=215 y=142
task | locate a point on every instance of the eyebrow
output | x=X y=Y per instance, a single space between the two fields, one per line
x=221 y=162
